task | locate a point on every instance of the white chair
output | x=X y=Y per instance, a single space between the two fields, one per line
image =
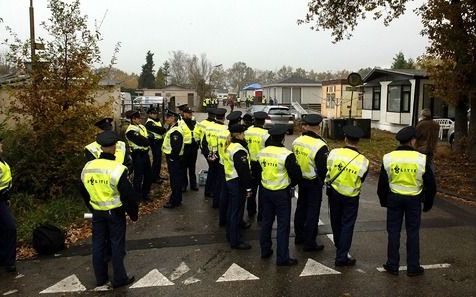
x=445 y=124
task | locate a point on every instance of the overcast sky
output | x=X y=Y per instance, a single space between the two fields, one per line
x=261 y=33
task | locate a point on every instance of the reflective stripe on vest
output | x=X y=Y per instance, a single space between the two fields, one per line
x=305 y=148
x=222 y=139
x=255 y=138
x=199 y=131
x=5 y=176
x=167 y=146
x=231 y=150
x=349 y=182
x=95 y=149
x=405 y=171
x=211 y=133
x=100 y=178
x=274 y=175
x=155 y=123
x=141 y=130
x=187 y=134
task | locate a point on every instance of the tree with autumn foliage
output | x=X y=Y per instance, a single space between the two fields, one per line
x=450 y=27
x=54 y=104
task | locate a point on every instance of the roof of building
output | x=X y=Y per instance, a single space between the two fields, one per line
x=254 y=86
x=402 y=73
x=294 y=80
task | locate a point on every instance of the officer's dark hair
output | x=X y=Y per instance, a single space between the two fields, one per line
x=277 y=138
x=352 y=141
x=259 y=122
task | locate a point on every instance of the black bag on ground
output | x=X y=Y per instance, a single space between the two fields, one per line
x=48 y=239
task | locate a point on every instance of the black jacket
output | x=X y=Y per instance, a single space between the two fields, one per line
x=429 y=184
x=176 y=141
x=156 y=129
x=138 y=139
x=129 y=197
x=242 y=165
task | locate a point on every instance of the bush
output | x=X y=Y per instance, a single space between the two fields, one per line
x=30 y=212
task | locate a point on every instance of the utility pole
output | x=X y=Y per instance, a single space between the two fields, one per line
x=32 y=35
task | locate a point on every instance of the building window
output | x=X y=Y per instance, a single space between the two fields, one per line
x=158 y=94
x=376 y=98
x=331 y=100
x=371 y=98
x=398 y=99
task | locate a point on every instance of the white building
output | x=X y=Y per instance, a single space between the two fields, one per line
x=294 y=89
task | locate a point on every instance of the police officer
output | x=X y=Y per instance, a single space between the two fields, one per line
x=238 y=185
x=247 y=120
x=280 y=172
x=190 y=149
x=256 y=137
x=198 y=134
x=138 y=139
x=210 y=149
x=109 y=195
x=311 y=153
x=93 y=150
x=8 y=228
x=233 y=118
x=173 y=148
x=155 y=129
x=346 y=171
x=406 y=181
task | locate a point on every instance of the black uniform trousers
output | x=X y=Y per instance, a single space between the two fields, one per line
x=306 y=217
x=8 y=235
x=399 y=206
x=221 y=191
x=210 y=178
x=109 y=227
x=236 y=203
x=175 y=168
x=343 y=212
x=251 y=202
x=276 y=204
x=142 y=180
x=190 y=153
x=156 y=147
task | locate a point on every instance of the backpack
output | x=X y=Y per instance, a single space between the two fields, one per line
x=48 y=239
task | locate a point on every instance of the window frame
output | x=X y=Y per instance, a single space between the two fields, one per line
x=402 y=92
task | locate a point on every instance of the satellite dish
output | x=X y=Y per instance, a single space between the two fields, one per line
x=354 y=79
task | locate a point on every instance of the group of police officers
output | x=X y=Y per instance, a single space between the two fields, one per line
x=245 y=163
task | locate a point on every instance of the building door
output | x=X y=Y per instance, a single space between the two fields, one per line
x=190 y=98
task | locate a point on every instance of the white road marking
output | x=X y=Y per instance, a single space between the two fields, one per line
x=152 y=279
x=103 y=288
x=191 y=280
x=296 y=194
x=236 y=273
x=179 y=271
x=320 y=223
x=331 y=237
x=360 y=270
x=315 y=268
x=10 y=292
x=19 y=276
x=430 y=266
x=69 y=284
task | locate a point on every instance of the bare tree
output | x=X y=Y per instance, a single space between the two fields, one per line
x=178 y=68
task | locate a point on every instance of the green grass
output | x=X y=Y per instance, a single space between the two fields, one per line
x=31 y=212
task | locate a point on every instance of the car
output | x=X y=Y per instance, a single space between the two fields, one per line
x=277 y=114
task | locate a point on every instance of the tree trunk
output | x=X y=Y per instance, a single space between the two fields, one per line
x=472 y=130
x=461 y=124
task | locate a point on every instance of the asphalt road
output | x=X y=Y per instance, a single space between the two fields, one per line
x=183 y=252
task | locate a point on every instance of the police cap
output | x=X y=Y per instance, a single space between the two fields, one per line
x=260 y=115
x=278 y=130
x=187 y=109
x=104 y=124
x=247 y=117
x=406 y=134
x=220 y=112
x=171 y=113
x=210 y=110
x=107 y=138
x=353 y=132
x=132 y=114
x=312 y=119
x=182 y=107
x=237 y=128
x=152 y=110
x=234 y=116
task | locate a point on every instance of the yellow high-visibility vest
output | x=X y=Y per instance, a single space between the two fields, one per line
x=349 y=182
x=256 y=138
x=199 y=131
x=305 y=149
x=155 y=123
x=231 y=150
x=274 y=175
x=211 y=133
x=405 y=171
x=222 y=139
x=142 y=131
x=187 y=133
x=100 y=178
x=167 y=146
x=5 y=176
x=95 y=149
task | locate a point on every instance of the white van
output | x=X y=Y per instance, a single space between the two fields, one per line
x=146 y=101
